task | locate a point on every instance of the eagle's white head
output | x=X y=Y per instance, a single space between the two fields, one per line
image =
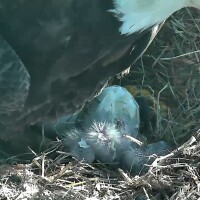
x=137 y=15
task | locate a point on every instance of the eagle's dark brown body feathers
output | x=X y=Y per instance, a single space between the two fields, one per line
x=70 y=48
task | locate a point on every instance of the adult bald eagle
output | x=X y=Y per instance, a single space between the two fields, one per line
x=57 y=54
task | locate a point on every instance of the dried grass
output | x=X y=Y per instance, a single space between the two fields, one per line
x=170 y=77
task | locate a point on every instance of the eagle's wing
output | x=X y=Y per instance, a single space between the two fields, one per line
x=14 y=80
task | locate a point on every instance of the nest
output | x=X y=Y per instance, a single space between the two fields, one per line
x=168 y=74
x=174 y=176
